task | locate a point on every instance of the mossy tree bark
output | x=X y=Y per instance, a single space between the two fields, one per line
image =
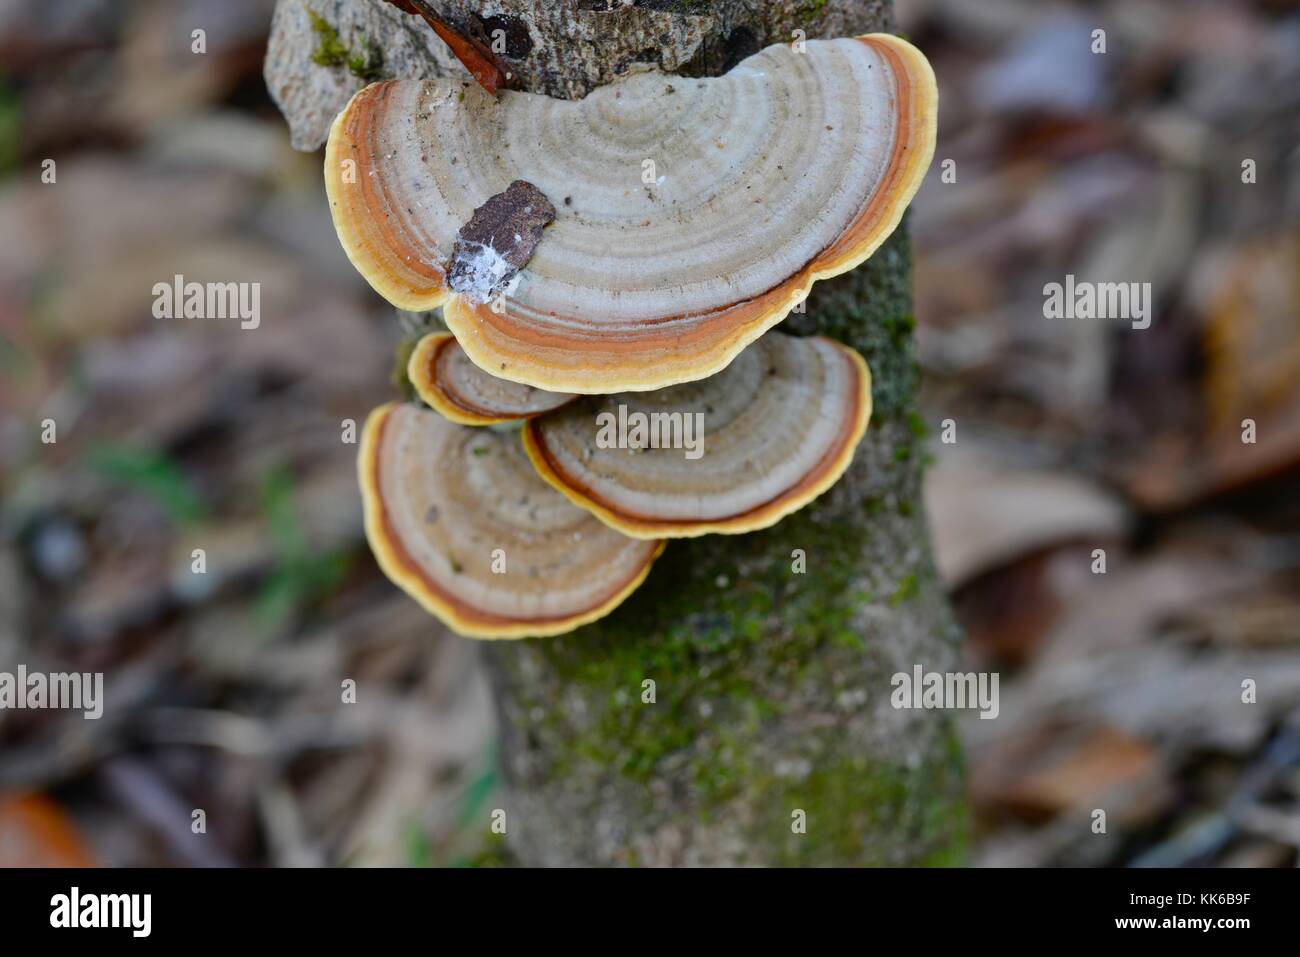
x=770 y=654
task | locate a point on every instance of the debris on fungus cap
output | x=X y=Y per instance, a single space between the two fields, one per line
x=444 y=377
x=445 y=504
x=777 y=428
x=497 y=241
x=690 y=214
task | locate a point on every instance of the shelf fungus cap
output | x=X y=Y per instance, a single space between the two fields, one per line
x=732 y=453
x=459 y=519
x=444 y=378
x=691 y=215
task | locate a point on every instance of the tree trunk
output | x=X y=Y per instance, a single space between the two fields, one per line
x=736 y=710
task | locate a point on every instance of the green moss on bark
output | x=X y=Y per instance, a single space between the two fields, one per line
x=771 y=686
x=365 y=61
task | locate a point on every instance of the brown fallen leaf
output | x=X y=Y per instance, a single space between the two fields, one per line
x=1179 y=474
x=1008 y=611
x=1252 y=619
x=34 y=832
x=1042 y=776
x=986 y=514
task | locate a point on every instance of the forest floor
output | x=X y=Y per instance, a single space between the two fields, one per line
x=1164 y=689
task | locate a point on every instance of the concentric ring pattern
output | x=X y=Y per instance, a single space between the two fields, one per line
x=732 y=453
x=460 y=391
x=692 y=214
x=458 y=518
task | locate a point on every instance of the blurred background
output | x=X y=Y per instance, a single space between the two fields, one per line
x=1119 y=690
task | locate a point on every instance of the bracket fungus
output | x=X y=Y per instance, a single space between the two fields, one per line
x=459 y=519
x=444 y=378
x=777 y=428
x=691 y=214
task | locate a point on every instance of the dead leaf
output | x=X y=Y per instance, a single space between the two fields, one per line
x=34 y=832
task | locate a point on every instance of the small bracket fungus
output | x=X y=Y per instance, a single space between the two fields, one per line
x=440 y=499
x=444 y=377
x=780 y=425
x=792 y=167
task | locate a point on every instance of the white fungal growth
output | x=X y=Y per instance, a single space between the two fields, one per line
x=479 y=272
